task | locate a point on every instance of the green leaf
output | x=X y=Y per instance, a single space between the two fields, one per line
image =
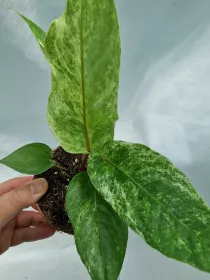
x=83 y=49
x=30 y=159
x=37 y=31
x=155 y=199
x=100 y=235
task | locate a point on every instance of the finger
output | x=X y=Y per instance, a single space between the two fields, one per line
x=36 y=207
x=30 y=218
x=31 y=234
x=13 y=184
x=16 y=200
x=6 y=236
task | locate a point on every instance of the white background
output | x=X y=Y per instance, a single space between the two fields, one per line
x=164 y=103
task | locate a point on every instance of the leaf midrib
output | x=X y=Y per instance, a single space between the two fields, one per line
x=83 y=82
x=134 y=182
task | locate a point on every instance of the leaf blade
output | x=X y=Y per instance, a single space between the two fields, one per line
x=100 y=235
x=39 y=34
x=83 y=49
x=30 y=159
x=155 y=199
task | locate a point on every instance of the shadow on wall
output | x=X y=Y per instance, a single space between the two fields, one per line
x=150 y=30
x=164 y=91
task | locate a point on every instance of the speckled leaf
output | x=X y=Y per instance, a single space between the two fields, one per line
x=155 y=199
x=36 y=30
x=30 y=159
x=83 y=49
x=100 y=235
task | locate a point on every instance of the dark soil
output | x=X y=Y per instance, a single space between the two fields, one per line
x=52 y=204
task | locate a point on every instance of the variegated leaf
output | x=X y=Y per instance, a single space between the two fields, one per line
x=37 y=31
x=83 y=49
x=155 y=199
x=100 y=235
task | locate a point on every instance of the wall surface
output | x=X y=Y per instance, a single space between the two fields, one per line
x=164 y=103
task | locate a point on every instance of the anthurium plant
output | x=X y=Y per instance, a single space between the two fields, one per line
x=104 y=186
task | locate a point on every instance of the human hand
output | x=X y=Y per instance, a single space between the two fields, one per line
x=18 y=226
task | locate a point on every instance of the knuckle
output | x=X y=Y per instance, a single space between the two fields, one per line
x=15 y=198
x=33 y=221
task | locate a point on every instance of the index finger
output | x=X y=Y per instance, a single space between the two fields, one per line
x=13 y=184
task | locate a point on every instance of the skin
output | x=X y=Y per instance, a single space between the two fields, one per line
x=16 y=225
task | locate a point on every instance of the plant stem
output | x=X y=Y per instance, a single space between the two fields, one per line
x=84 y=160
x=61 y=167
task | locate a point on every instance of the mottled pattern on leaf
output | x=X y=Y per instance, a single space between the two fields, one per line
x=30 y=159
x=36 y=30
x=155 y=199
x=100 y=235
x=83 y=49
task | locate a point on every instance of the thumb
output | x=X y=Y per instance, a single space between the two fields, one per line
x=16 y=200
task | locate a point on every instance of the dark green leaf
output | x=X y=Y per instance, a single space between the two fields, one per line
x=100 y=235
x=37 y=31
x=155 y=199
x=83 y=49
x=30 y=159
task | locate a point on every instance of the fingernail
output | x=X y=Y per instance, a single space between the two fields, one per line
x=39 y=186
